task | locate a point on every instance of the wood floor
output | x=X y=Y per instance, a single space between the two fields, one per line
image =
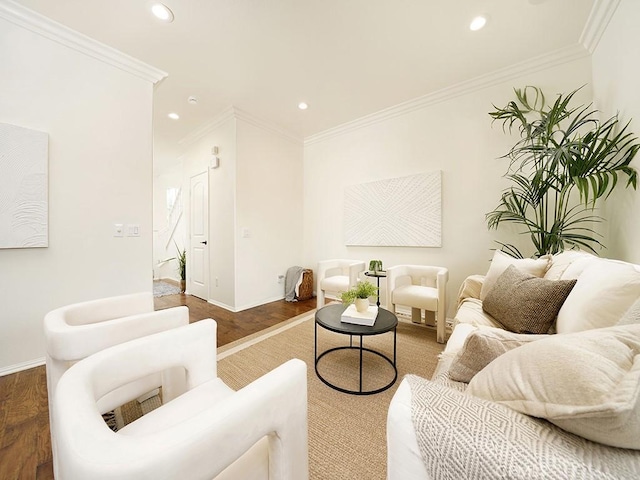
x=25 y=446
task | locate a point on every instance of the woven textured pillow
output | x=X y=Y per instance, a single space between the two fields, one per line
x=483 y=346
x=523 y=303
x=587 y=383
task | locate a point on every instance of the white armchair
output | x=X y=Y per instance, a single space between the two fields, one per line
x=420 y=287
x=208 y=432
x=337 y=276
x=76 y=331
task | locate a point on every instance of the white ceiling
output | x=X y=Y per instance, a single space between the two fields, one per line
x=345 y=58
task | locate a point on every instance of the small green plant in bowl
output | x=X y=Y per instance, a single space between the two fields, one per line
x=375 y=266
x=360 y=295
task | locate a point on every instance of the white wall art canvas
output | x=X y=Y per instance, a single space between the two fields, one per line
x=23 y=187
x=399 y=212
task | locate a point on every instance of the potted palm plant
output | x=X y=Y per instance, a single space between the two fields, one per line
x=360 y=295
x=566 y=160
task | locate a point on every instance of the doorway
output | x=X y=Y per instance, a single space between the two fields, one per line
x=198 y=260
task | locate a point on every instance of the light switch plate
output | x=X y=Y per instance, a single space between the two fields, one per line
x=133 y=230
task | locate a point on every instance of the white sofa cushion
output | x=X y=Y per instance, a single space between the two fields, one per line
x=603 y=293
x=587 y=383
x=501 y=261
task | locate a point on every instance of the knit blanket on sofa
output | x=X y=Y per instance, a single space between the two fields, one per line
x=461 y=436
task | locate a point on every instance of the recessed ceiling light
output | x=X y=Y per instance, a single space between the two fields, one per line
x=162 y=12
x=303 y=106
x=477 y=23
x=174 y=116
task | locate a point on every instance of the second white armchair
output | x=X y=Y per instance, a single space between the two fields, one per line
x=420 y=287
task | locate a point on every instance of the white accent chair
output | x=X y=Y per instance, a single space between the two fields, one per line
x=79 y=330
x=420 y=287
x=210 y=431
x=337 y=276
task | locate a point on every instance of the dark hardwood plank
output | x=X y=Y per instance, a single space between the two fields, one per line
x=25 y=442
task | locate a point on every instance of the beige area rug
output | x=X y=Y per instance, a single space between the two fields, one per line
x=347 y=433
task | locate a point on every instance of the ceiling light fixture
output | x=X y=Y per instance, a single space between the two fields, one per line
x=303 y=106
x=173 y=116
x=192 y=100
x=162 y=12
x=477 y=23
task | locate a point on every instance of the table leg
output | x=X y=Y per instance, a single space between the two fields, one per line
x=360 y=363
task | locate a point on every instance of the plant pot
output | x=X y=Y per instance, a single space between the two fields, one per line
x=362 y=304
x=183 y=286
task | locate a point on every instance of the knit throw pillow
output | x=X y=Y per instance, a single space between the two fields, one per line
x=483 y=346
x=524 y=303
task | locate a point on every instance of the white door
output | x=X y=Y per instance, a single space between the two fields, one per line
x=198 y=260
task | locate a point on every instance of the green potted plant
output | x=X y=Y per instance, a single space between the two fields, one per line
x=182 y=267
x=375 y=266
x=566 y=159
x=360 y=295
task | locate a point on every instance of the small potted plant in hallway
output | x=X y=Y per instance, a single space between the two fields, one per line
x=360 y=295
x=182 y=268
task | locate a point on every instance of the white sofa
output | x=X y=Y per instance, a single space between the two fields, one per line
x=435 y=430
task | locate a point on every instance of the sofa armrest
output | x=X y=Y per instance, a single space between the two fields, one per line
x=470 y=288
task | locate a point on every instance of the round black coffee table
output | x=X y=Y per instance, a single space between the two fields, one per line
x=329 y=318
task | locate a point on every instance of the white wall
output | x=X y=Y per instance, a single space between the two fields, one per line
x=615 y=79
x=454 y=136
x=269 y=210
x=99 y=122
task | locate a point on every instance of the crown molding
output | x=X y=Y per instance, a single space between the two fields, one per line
x=238 y=114
x=224 y=116
x=268 y=126
x=542 y=62
x=44 y=26
x=597 y=23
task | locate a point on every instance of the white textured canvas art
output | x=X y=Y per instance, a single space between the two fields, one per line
x=23 y=187
x=399 y=212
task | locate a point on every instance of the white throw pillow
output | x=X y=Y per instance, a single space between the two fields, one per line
x=559 y=266
x=501 y=261
x=587 y=383
x=603 y=293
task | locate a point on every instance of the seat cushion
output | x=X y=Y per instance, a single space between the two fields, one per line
x=337 y=283
x=181 y=408
x=416 y=296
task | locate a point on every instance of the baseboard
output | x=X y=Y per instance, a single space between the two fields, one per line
x=18 y=367
x=245 y=307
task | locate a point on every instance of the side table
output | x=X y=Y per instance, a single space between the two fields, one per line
x=378 y=275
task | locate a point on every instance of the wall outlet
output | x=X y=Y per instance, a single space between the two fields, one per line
x=280 y=278
x=216 y=281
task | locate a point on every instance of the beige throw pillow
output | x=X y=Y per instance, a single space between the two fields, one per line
x=524 y=303
x=483 y=346
x=500 y=262
x=587 y=383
